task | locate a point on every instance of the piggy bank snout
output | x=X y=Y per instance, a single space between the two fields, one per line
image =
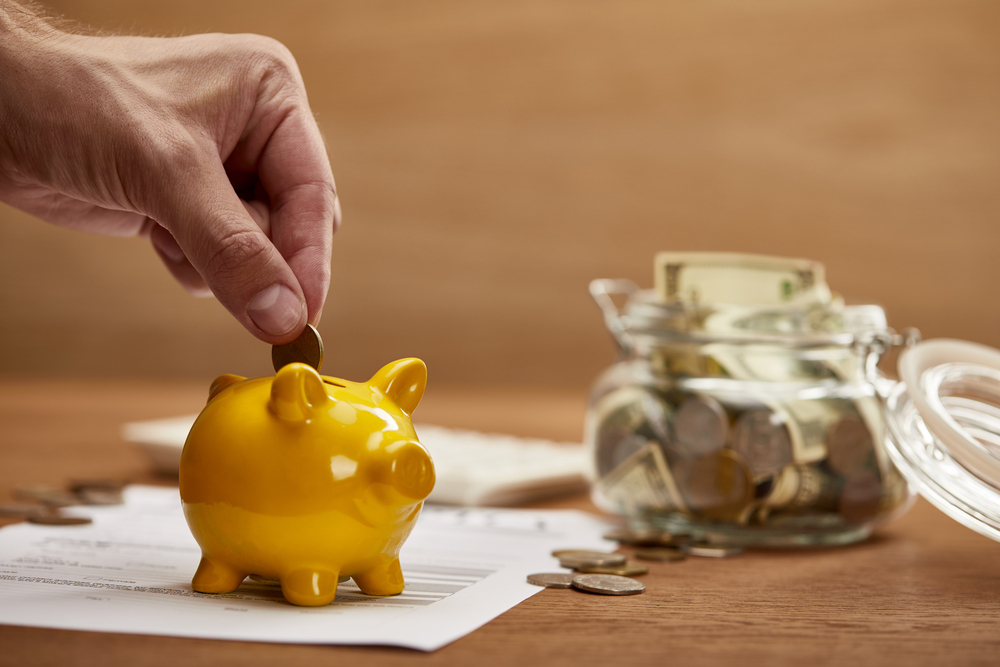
x=410 y=471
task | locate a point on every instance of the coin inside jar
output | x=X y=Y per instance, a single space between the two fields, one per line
x=762 y=439
x=860 y=496
x=719 y=486
x=607 y=584
x=849 y=444
x=306 y=349
x=701 y=425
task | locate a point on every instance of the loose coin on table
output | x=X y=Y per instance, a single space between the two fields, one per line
x=711 y=551
x=647 y=538
x=306 y=349
x=551 y=579
x=21 y=510
x=47 y=495
x=575 y=559
x=629 y=569
x=662 y=554
x=607 y=584
x=58 y=520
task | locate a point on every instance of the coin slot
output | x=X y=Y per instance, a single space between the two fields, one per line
x=335 y=384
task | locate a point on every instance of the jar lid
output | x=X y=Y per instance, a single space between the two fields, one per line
x=943 y=420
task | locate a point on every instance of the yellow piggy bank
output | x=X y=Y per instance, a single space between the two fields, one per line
x=306 y=479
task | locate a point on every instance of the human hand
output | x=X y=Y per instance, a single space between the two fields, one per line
x=205 y=144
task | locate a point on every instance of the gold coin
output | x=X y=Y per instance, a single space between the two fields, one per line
x=661 y=554
x=306 y=349
x=629 y=569
x=577 y=559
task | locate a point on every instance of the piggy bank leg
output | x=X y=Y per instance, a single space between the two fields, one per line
x=385 y=579
x=310 y=588
x=215 y=577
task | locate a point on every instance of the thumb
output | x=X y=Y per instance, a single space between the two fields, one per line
x=235 y=258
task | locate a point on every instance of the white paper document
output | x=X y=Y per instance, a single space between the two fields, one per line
x=130 y=571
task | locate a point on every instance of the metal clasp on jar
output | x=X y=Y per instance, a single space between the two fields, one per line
x=871 y=345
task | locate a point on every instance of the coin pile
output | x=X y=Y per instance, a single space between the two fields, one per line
x=41 y=504
x=611 y=573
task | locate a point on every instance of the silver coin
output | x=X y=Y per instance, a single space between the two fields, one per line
x=710 y=551
x=701 y=425
x=763 y=440
x=551 y=579
x=306 y=349
x=607 y=584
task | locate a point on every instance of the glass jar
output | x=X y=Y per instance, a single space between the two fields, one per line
x=743 y=424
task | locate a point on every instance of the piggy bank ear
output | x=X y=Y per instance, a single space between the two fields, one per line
x=297 y=390
x=222 y=382
x=411 y=471
x=403 y=381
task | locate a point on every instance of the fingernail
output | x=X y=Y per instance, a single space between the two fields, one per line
x=276 y=310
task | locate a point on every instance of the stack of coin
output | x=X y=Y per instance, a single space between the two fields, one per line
x=599 y=562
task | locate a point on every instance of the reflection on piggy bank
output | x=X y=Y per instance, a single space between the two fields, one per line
x=306 y=479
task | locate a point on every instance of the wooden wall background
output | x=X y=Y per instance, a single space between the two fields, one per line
x=493 y=157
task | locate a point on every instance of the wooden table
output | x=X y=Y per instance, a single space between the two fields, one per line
x=925 y=590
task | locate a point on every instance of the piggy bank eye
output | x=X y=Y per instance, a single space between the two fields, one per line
x=411 y=471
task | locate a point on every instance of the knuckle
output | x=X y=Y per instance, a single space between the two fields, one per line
x=273 y=58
